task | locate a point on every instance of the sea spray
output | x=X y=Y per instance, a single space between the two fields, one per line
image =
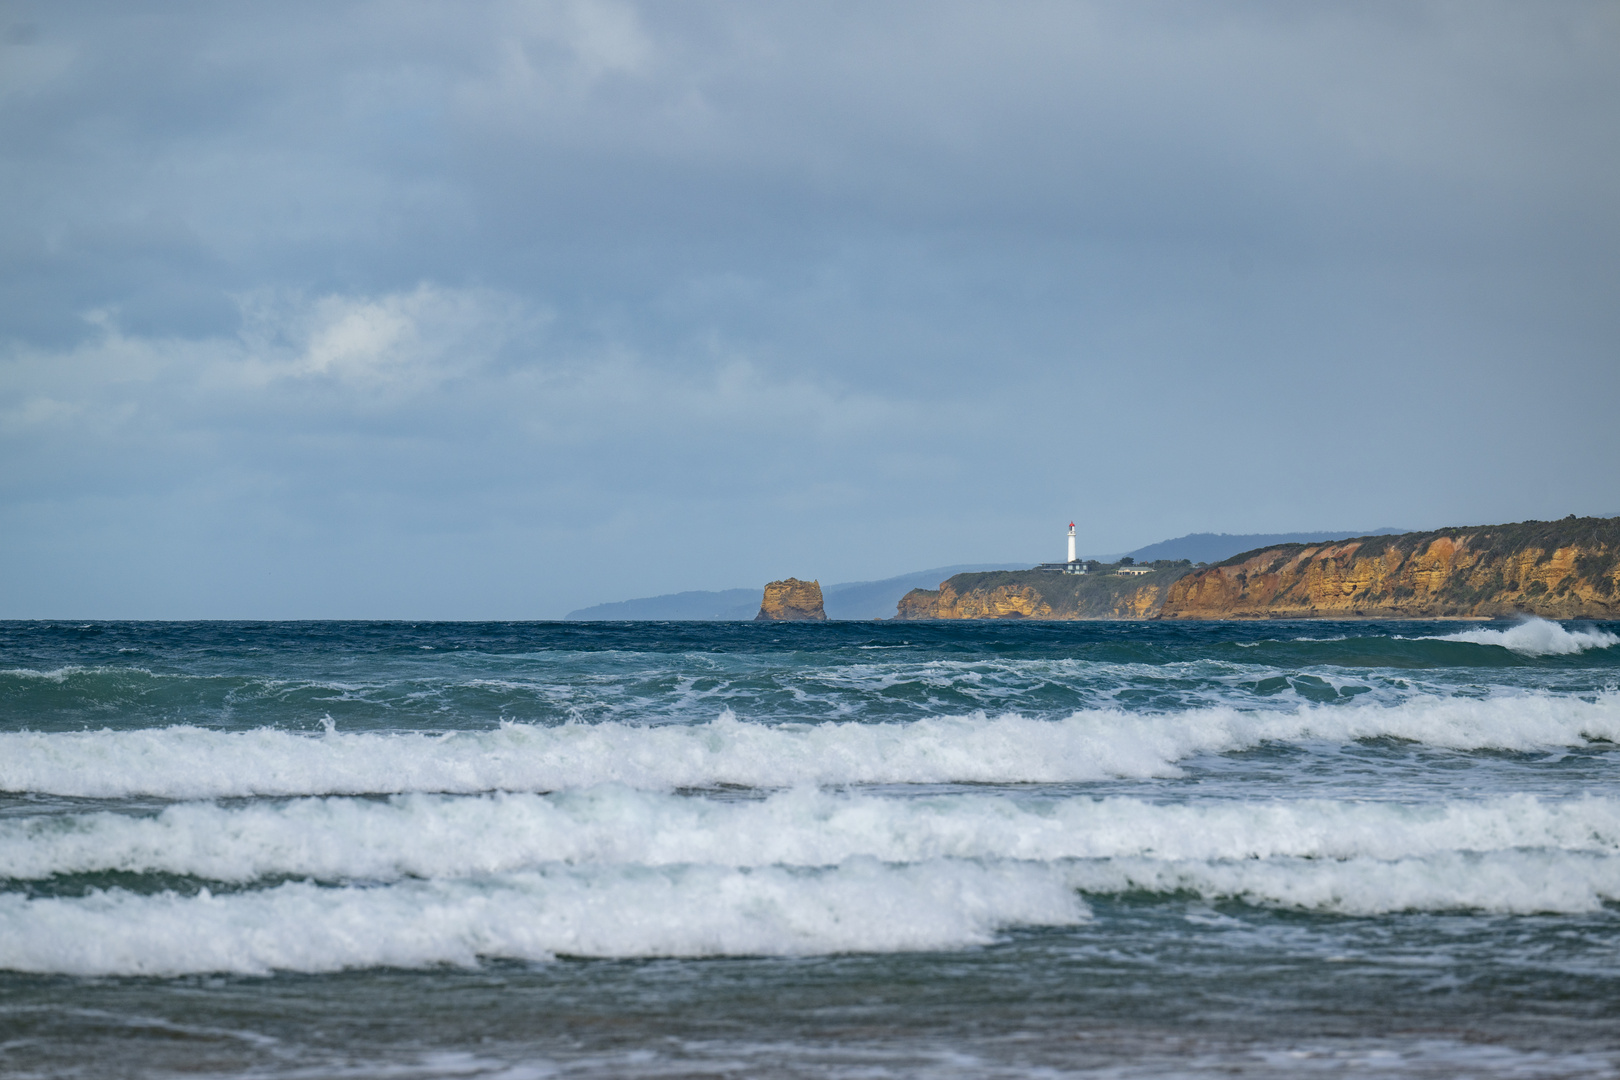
x=1538 y=637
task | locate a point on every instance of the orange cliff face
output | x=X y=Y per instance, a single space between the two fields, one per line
x=1037 y=594
x=792 y=600
x=1562 y=570
x=918 y=604
x=1002 y=602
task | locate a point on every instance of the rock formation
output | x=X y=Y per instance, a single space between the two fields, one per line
x=1557 y=569
x=792 y=600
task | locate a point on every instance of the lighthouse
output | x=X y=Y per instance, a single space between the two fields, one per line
x=1073 y=566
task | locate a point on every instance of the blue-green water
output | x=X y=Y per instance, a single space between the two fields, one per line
x=845 y=849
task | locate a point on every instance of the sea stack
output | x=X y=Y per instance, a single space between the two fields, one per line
x=792 y=600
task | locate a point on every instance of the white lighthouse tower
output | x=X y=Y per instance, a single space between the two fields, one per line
x=1073 y=566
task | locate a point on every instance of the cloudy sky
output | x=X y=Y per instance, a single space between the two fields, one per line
x=498 y=309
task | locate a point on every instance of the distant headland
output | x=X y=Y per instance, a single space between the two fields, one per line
x=1567 y=569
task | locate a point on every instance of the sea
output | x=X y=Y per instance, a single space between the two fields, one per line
x=845 y=849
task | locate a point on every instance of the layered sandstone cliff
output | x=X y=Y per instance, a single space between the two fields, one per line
x=1042 y=594
x=1555 y=569
x=792 y=600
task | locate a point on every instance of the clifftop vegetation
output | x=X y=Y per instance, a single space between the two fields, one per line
x=1102 y=593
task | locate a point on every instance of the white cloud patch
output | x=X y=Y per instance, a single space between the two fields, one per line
x=431 y=363
x=364 y=342
x=393 y=347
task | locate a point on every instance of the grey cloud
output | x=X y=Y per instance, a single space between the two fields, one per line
x=856 y=287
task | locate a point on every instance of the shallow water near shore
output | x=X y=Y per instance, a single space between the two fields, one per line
x=824 y=850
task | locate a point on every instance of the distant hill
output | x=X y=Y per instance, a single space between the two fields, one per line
x=1218 y=547
x=725 y=605
x=850 y=600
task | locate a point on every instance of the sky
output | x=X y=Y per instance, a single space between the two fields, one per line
x=500 y=309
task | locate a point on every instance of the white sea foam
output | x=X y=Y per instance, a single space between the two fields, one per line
x=435 y=836
x=1538 y=637
x=861 y=906
x=187 y=762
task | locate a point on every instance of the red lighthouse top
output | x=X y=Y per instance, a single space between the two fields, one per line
x=1071 y=524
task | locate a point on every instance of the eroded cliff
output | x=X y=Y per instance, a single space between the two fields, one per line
x=1042 y=594
x=792 y=600
x=1555 y=569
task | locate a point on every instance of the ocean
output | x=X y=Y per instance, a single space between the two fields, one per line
x=854 y=850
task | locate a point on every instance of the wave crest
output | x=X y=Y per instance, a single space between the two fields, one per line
x=861 y=906
x=1538 y=637
x=1092 y=744
x=340 y=840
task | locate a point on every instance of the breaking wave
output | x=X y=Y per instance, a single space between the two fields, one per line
x=422 y=881
x=1538 y=637
x=861 y=906
x=345 y=840
x=192 y=763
